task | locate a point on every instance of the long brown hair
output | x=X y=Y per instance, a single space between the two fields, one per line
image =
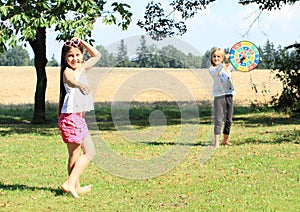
x=63 y=66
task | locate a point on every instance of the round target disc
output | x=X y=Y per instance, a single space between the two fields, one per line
x=244 y=56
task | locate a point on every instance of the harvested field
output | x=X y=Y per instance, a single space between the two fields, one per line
x=139 y=85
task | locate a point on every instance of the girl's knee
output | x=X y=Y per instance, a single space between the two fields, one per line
x=89 y=148
x=91 y=153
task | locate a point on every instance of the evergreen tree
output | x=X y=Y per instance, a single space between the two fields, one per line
x=154 y=57
x=107 y=59
x=53 y=61
x=142 y=53
x=268 y=56
x=122 y=58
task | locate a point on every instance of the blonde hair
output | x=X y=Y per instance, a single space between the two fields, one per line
x=222 y=53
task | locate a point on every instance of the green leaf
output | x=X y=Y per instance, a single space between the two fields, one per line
x=12 y=43
x=16 y=18
x=4 y=10
x=28 y=33
x=52 y=20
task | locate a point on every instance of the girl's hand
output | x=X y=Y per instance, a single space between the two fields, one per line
x=76 y=38
x=227 y=65
x=227 y=56
x=85 y=90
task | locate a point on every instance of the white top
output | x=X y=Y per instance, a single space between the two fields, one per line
x=222 y=80
x=75 y=101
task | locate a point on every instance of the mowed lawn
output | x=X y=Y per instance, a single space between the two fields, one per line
x=260 y=172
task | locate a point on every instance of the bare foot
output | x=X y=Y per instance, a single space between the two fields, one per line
x=84 y=189
x=227 y=143
x=70 y=190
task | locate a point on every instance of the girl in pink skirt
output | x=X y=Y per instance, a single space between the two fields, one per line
x=76 y=99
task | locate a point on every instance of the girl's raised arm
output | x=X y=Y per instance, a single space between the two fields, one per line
x=95 y=55
x=216 y=69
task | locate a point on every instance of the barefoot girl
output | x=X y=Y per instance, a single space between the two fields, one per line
x=223 y=91
x=75 y=99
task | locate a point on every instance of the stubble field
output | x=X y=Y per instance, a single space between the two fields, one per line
x=139 y=85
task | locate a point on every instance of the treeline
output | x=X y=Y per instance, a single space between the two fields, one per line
x=149 y=56
x=20 y=57
x=15 y=57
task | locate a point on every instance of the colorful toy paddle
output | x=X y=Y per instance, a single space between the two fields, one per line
x=244 y=56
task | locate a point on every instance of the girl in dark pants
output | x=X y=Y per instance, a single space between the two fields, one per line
x=223 y=91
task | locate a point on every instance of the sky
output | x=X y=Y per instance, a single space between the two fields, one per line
x=221 y=24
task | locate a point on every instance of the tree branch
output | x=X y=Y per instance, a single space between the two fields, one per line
x=253 y=22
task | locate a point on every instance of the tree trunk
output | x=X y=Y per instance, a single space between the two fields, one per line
x=40 y=60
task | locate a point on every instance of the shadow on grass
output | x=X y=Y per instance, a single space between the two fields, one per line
x=22 y=114
x=19 y=128
x=21 y=187
x=153 y=143
x=256 y=120
x=137 y=114
x=16 y=118
x=288 y=136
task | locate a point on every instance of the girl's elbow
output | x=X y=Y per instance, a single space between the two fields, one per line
x=72 y=84
x=98 y=55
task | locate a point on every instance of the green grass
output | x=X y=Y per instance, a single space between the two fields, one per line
x=260 y=172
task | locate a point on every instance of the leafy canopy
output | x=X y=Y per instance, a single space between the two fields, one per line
x=160 y=21
x=20 y=19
